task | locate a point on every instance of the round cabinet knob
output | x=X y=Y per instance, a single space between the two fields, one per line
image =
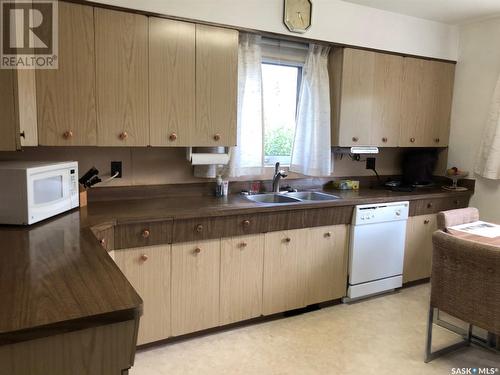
x=199 y=228
x=437 y=140
x=145 y=233
x=384 y=139
x=355 y=139
x=102 y=241
x=246 y=223
x=173 y=137
x=426 y=221
x=412 y=140
x=287 y=240
x=243 y=245
x=328 y=234
x=217 y=137
x=197 y=250
x=429 y=205
x=68 y=134
x=123 y=135
x=22 y=134
x=144 y=257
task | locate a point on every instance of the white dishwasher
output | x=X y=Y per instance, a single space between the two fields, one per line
x=376 y=248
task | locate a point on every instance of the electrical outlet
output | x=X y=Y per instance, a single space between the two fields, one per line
x=116 y=166
x=370 y=163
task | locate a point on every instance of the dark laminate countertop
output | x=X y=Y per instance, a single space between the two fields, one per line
x=55 y=276
x=207 y=206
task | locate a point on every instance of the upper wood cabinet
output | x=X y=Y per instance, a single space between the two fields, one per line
x=17 y=109
x=121 y=78
x=66 y=96
x=148 y=270
x=386 y=100
x=426 y=103
x=172 y=83
x=366 y=95
x=216 y=86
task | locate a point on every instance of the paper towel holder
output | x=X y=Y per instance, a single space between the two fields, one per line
x=207 y=158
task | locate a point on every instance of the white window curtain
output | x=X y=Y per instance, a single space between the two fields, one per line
x=488 y=160
x=247 y=156
x=311 y=154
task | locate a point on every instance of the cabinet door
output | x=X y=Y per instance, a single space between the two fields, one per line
x=386 y=109
x=241 y=272
x=172 y=82
x=356 y=98
x=426 y=102
x=148 y=270
x=66 y=96
x=418 y=248
x=9 y=129
x=121 y=78
x=327 y=263
x=216 y=86
x=443 y=79
x=285 y=270
x=195 y=286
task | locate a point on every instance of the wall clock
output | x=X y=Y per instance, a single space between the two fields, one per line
x=297 y=15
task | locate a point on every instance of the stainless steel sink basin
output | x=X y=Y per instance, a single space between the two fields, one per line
x=300 y=196
x=312 y=196
x=272 y=198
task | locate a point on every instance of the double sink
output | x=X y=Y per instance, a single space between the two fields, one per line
x=293 y=197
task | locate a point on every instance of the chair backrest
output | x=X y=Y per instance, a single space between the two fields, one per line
x=450 y=218
x=465 y=280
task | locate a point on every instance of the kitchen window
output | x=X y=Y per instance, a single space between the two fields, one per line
x=280 y=91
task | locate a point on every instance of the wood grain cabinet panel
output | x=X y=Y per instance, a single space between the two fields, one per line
x=426 y=102
x=216 y=86
x=327 y=263
x=285 y=270
x=66 y=100
x=9 y=128
x=148 y=270
x=195 y=286
x=366 y=94
x=142 y=234
x=172 y=82
x=418 y=248
x=121 y=78
x=241 y=272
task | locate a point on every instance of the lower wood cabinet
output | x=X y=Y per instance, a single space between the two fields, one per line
x=285 y=267
x=304 y=266
x=418 y=249
x=241 y=271
x=195 y=286
x=327 y=263
x=148 y=270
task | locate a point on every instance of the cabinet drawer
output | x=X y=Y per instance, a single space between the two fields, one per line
x=431 y=206
x=105 y=234
x=216 y=227
x=143 y=234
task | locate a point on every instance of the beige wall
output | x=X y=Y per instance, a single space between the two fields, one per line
x=151 y=166
x=477 y=71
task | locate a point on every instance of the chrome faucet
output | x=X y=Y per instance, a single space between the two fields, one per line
x=278 y=175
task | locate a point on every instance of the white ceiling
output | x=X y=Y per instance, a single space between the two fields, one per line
x=446 y=11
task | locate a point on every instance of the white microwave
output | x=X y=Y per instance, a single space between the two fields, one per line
x=33 y=191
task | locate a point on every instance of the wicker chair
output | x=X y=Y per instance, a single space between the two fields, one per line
x=465 y=283
x=450 y=218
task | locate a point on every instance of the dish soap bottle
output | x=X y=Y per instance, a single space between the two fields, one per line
x=219 y=192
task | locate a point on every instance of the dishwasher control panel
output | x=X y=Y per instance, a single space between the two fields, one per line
x=380 y=212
